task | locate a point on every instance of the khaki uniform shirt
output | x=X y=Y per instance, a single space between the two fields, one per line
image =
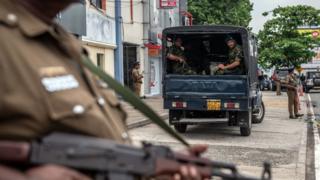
x=43 y=87
x=136 y=76
x=292 y=80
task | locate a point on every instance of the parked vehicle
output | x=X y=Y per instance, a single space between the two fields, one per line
x=312 y=80
x=265 y=83
x=199 y=97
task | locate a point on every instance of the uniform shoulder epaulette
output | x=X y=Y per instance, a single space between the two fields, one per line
x=9 y=20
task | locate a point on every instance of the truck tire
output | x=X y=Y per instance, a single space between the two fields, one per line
x=307 y=90
x=181 y=128
x=245 y=131
x=258 y=117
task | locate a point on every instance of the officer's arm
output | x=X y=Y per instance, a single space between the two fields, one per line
x=237 y=62
x=174 y=57
x=233 y=65
x=287 y=85
x=135 y=74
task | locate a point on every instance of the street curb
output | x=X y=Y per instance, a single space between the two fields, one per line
x=316 y=151
x=145 y=121
x=301 y=164
x=311 y=118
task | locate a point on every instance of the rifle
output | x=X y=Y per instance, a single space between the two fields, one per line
x=105 y=159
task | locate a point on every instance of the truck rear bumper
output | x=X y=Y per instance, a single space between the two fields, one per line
x=211 y=104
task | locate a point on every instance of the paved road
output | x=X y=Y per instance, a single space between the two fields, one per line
x=315 y=97
x=313 y=160
x=278 y=140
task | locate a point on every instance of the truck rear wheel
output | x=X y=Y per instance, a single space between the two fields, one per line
x=307 y=90
x=245 y=120
x=245 y=131
x=181 y=128
x=258 y=117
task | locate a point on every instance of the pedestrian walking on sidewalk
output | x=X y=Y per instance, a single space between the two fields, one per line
x=293 y=99
x=137 y=78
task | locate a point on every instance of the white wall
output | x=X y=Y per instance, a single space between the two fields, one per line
x=133 y=30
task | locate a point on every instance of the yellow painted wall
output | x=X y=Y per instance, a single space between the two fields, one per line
x=108 y=55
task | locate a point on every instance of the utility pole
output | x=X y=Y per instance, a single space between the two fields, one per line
x=118 y=63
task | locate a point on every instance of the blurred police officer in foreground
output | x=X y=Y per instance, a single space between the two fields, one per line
x=44 y=88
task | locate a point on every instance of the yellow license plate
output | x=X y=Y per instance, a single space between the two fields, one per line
x=213 y=105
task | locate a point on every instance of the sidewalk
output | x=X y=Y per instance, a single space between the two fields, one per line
x=136 y=119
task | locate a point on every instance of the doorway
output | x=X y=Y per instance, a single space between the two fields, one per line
x=129 y=58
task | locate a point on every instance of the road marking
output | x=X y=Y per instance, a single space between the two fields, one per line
x=310 y=112
x=311 y=116
x=316 y=151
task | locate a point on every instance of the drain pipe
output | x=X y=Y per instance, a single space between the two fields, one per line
x=118 y=54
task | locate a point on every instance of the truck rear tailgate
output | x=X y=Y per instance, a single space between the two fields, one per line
x=199 y=86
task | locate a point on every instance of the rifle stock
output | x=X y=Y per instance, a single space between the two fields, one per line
x=109 y=160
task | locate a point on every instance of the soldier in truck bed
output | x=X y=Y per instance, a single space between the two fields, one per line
x=177 y=61
x=45 y=88
x=234 y=64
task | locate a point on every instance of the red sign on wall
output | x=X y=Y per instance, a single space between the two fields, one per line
x=168 y=3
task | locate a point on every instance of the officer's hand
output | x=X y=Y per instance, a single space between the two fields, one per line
x=181 y=60
x=221 y=66
x=55 y=172
x=190 y=172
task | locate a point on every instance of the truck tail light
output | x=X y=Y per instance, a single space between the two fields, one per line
x=231 y=105
x=179 y=104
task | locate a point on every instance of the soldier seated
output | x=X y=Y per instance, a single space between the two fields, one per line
x=177 y=58
x=234 y=65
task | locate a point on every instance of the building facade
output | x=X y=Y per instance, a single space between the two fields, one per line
x=314 y=32
x=141 y=21
x=159 y=14
x=91 y=23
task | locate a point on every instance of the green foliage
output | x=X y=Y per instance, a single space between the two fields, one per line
x=280 y=43
x=231 y=12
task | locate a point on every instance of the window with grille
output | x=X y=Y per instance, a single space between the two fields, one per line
x=97 y=3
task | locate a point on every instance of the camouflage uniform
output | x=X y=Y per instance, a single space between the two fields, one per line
x=235 y=53
x=177 y=67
